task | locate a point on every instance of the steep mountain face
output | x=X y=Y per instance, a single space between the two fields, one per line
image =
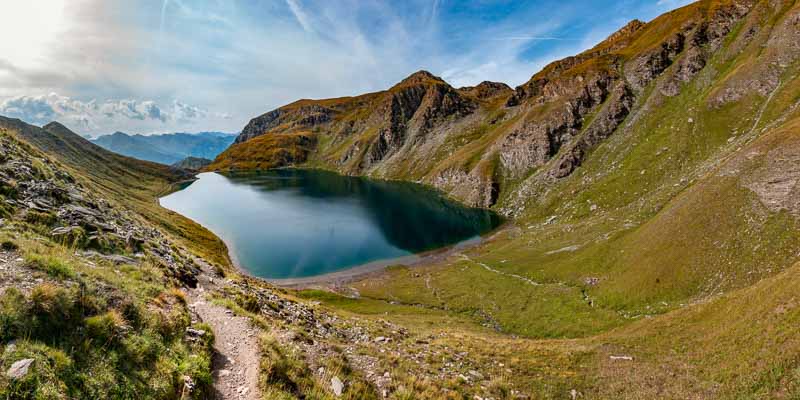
x=167 y=148
x=129 y=181
x=479 y=144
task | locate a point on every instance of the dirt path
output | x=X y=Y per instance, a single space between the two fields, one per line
x=236 y=351
x=490 y=269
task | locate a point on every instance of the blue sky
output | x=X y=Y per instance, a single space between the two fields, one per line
x=178 y=65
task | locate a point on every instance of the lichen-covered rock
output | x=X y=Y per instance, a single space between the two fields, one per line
x=19 y=369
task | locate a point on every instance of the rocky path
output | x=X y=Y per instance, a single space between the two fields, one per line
x=236 y=351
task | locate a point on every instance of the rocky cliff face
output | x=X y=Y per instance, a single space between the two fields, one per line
x=479 y=143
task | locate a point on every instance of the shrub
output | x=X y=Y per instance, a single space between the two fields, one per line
x=75 y=237
x=52 y=312
x=198 y=367
x=53 y=265
x=89 y=300
x=40 y=218
x=248 y=301
x=51 y=300
x=178 y=295
x=106 y=327
x=276 y=368
x=143 y=348
x=12 y=314
x=8 y=189
x=105 y=243
x=500 y=388
x=169 y=318
x=5 y=208
x=50 y=375
x=208 y=338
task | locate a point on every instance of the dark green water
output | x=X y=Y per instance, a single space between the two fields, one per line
x=300 y=223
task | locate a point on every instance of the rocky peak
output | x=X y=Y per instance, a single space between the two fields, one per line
x=56 y=126
x=625 y=31
x=486 y=89
x=420 y=77
x=258 y=125
x=298 y=115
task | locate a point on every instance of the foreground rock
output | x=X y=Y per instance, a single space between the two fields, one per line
x=20 y=368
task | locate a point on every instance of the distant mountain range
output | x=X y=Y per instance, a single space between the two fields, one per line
x=167 y=148
x=192 y=163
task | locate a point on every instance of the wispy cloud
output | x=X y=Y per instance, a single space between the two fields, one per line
x=241 y=58
x=525 y=37
x=300 y=15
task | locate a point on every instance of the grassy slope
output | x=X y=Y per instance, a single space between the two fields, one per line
x=658 y=250
x=268 y=151
x=659 y=222
x=657 y=246
x=94 y=328
x=134 y=183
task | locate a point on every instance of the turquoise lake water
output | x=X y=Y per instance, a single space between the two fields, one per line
x=293 y=223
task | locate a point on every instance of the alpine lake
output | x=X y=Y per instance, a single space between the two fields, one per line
x=295 y=223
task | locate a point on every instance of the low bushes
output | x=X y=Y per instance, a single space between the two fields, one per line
x=89 y=342
x=53 y=265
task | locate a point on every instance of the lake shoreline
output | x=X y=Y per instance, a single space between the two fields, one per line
x=335 y=281
x=344 y=276
x=279 y=217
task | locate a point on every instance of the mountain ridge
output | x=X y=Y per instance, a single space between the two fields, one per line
x=411 y=130
x=168 y=148
x=652 y=248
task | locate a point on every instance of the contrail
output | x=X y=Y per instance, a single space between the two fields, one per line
x=163 y=13
x=525 y=37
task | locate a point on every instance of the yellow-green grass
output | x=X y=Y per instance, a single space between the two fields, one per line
x=265 y=152
x=99 y=330
x=742 y=344
x=130 y=183
x=544 y=369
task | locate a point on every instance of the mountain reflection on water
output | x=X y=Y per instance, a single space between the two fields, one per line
x=293 y=223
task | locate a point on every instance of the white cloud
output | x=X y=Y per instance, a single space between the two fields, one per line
x=186 y=112
x=95 y=117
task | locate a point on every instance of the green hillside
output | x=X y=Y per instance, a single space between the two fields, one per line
x=652 y=248
x=651 y=185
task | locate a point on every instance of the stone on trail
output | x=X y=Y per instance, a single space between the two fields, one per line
x=625 y=358
x=337 y=386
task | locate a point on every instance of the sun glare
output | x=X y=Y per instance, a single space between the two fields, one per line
x=28 y=28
